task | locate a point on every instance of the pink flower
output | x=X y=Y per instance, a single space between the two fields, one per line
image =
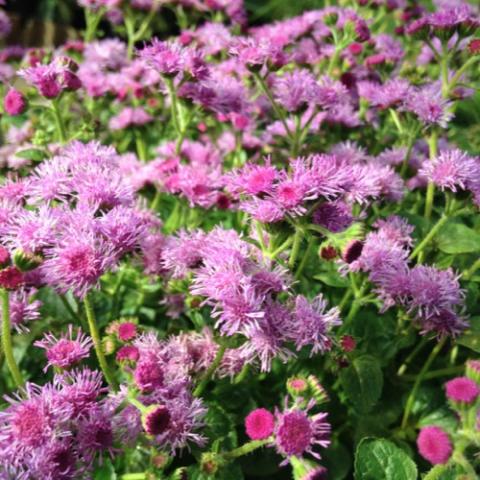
x=462 y=389
x=11 y=278
x=259 y=424
x=156 y=420
x=297 y=433
x=67 y=350
x=127 y=331
x=434 y=445
x=127 y=353
x=14 y=102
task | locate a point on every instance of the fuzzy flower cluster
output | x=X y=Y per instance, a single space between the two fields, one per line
x=58 y=430
x=242 y=288
x=454 y=170
x=432 y=295
x=269 y=193
x=53 y=78
x=172 y=416
x=72 y=219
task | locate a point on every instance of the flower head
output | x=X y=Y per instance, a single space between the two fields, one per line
x=66 y=351
x=434 y=445
x=156 y=419
x=259 y=424
x=14 y=102
x=462 y=390
x=297 y=433
x=127 y=331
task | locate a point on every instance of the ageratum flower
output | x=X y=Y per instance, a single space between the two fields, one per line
x=67 y=350
x=462 y=390
x=297 y=433
x=259 y=424
x=434 y=445
x=452 y=169
x=429 y=106
x=295 y=90
x=313 y=323
x=14 y=102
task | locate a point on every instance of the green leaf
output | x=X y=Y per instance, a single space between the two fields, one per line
x=455 y=238
x=362 y=382
x=332 y=279
x=220 y=428
x=379 y=459
x=105 y=472
x=441 y=472
x=34 y=154
x=471 y=338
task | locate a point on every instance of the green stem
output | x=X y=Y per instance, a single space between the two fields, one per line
x=173 y=104
x=281 y=248
x=130 y=28
x=297 y=241
x=139 y=405
x=442 y=372
x=68 y=307
x=460 y=72
x=242 y=375
x=300 y=268
x=412 y=355
x=444 y=75
x=97 y=342
x=245 y=449
x=210 y=371
x=411 y=398
x=278 y=111
x=59 y=121
x=134 y=476
x=140 y=146
x=156 y=200
x=7 y=340
x=433 y=151
x=420 y=247
x=333 y=61
x=467 y=274
x=92 y=20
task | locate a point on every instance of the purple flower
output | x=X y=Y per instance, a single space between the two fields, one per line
x=148 y=374
x=296 y=90
x=297 y=433
x=429 y=105
x=452 y=169
x=129 y=117
x=431 y=291
x=67 y=350
x=334 y=216
x=165 y=57
x=14 y=102
x=23 y=309
x=313 y=323
x=77 y=262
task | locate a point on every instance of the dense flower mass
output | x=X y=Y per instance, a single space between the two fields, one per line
x=228 y=229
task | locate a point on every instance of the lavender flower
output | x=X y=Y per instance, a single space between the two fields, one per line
x=66 y=351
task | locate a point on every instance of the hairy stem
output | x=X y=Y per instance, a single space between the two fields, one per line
x=7 y=340
x=210 y=371
x=297 y=241
x=62 y=135
x=246 y=448
x=97 y=342
x=411 y=398
x=278 y=111
x=421 y=246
